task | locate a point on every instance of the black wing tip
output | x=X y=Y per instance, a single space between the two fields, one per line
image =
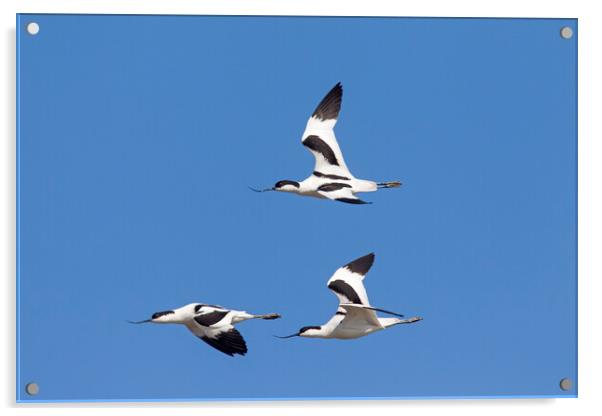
x=232 y=354
x=242 y=352
x=361 y=265
x=330 y=106
x=337 y=90
x=230 y=343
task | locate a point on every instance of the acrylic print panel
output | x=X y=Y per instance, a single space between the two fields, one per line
x=138 y=137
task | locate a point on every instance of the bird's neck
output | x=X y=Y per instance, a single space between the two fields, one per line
x=302 y=188
x=323 y=332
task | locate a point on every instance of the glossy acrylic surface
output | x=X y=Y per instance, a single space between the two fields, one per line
x=138 y=137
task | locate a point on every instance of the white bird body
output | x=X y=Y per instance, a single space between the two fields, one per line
x=211 y=323
x=331 y=178
x=355 y=317
x=351 y=324
x=310 y=186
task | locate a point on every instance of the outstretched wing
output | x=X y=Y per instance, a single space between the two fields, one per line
x=338 y=191
x=319 y=135
x=213 y=324
x=358 y=315
x=347 y=282
x=224 y=338
x=227 y=340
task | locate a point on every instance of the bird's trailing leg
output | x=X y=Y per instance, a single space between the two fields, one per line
x=389 y=322
x=243 y=316
x=393 y=184
x=409 y=320
x=269 y=316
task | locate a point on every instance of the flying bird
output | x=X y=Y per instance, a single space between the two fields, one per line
x=355 y=317
x=331 y=179
x=211 y=323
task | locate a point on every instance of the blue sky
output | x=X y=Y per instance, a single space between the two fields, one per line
x=140 y=135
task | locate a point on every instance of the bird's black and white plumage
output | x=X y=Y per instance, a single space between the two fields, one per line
x=211 y=323
x=355 y=317
x=331 y=178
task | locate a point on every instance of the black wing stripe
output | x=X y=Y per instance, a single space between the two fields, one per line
x=324 y=175
x=331 y=187
x=352 y=201
x=361 y=265
x=210 y=318
x=330 y=106
x=318 y=145
x=344 y=289
x=200 y=306
x=230 y=342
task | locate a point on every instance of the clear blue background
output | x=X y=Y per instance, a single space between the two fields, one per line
x=139 y=135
